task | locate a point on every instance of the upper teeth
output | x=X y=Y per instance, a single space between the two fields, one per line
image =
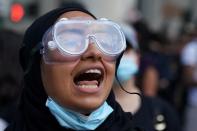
x=93 y=71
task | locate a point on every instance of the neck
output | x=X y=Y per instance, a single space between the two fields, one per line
x=127 y=85
x=129 y=102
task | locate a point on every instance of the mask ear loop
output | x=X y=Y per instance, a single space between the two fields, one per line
x=132 y=93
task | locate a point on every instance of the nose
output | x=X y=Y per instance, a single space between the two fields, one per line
x=92 y=51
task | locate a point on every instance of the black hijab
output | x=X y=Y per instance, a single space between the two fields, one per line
x=32 y=114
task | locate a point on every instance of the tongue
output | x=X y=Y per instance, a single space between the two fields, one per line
x=93 y=82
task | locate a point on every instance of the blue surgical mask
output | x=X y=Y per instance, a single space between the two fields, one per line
x=76 y=121
x=127 y=68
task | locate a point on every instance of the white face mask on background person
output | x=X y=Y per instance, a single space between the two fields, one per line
x=127 y=68
x=74 y=120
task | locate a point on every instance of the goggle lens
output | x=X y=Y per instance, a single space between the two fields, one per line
x=68 y=39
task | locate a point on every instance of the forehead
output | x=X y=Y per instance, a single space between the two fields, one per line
x=72 y=14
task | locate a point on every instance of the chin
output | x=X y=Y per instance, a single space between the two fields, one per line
x=88 y=107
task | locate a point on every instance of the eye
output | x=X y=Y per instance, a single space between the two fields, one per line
x=71 y=41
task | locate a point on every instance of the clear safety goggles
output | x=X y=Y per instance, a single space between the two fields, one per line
x=68 y=39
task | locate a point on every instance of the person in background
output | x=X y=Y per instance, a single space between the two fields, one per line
x=10 y=75
x=155 y=73
x=189 y=77
x=150 y=113
x=70 y=60
x=126 y=72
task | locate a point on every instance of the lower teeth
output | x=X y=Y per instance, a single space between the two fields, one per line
x=87 y=86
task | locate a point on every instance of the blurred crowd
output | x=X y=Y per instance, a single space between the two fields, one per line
x=167 y=70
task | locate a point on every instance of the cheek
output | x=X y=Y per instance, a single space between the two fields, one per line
x=110 y=74
x=111 y=69
x=55 y=79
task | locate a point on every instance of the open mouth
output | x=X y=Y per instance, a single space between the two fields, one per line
x=90 y=78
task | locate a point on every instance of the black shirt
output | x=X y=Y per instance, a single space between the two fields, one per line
x=155 y=113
